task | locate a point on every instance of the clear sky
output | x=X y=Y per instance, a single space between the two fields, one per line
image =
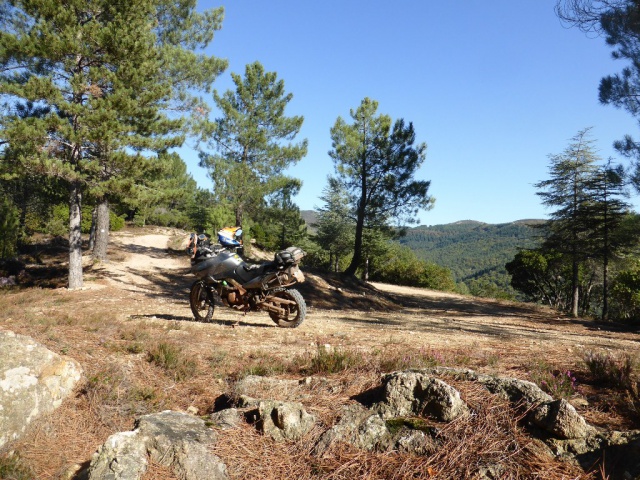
x=493 y=87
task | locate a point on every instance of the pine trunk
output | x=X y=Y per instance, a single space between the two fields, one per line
x=75 y=237
x=575 y=299
x=92 y=233
x=102 y=231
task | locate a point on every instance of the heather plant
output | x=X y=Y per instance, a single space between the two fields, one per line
x=557 y=383
x=611 y=369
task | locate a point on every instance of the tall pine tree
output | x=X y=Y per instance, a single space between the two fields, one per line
x=252 y=141
x=567 y=191
x=376 y=164
x=105 y=71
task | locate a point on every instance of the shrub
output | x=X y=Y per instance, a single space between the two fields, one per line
x=610 y=369
x=9 y=229
x=171 y=358
x=12 y=467
x=557 y=383
x=334 y=360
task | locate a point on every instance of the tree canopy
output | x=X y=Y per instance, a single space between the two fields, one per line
x=252 y=141
x=376 y=162
x=100 y=78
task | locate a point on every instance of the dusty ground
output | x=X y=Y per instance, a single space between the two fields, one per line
x=143 y=270
x=139 y=298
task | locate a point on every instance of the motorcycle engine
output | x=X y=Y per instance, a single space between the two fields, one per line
x=233 y=298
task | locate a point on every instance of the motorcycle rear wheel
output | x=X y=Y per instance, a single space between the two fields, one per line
x=201 y=306
x=294 y=314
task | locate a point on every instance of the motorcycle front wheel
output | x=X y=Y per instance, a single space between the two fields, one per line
x=201 y=305
x=294 y=311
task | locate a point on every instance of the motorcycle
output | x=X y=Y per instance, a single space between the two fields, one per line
x=221 y=272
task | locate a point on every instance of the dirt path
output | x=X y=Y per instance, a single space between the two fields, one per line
x=149 y=283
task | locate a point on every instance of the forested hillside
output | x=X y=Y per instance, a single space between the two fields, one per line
x=475 y=252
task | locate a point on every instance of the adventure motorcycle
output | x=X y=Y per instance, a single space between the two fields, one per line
x=221 y=271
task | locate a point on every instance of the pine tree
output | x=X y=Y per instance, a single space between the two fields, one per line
x=335 y=226
x=567 y=191
x=607 y=211
x=105 y=71
x=252 y=141
x=375 y=164
x=619 y=22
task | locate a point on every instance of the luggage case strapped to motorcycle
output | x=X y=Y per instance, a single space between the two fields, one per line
x=290 y=256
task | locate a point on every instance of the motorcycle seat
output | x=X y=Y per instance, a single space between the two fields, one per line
x=259 y=268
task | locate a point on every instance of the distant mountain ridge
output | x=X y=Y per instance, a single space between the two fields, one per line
x=474 y=251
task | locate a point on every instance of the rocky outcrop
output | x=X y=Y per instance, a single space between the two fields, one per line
x=359 y=427
x=561 y=419
x=284 y=420
x=33 y=381
x=415 y=393
x=399 y=418
x=172 y=439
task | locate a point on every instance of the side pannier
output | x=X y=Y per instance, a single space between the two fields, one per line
x=289 y=256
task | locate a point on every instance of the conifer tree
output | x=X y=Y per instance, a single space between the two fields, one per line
x=567 y=191
x=252 y=141
x=619 y=22
x=376 y=163
x=335 y=226
x=105 y=71
x=606 y=213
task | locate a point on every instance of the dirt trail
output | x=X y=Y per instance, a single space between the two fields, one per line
x=141 y=270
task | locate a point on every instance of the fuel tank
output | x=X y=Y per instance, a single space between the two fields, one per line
x=223 y=265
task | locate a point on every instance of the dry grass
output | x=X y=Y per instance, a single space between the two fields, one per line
x=116 y=331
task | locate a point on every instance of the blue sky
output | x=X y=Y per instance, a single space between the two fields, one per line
x=493 y=87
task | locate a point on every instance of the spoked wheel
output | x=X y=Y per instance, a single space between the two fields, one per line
x=201 y=305
x=293 y=305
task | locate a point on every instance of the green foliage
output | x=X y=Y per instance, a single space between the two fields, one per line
x=58 y=223
x=251 y=141
x=95 y=80
x=625 y=294
x=12 y=467
x=9 y=229
x=116 y=222
x=475 y=253
x=542 y=276
x=400 y=266
x=334 y=227
x=279 y=225
x=375 y=164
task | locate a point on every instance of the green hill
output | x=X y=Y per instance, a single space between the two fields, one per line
x=475 y=252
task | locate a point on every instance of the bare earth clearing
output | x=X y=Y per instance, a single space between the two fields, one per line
x=139 y=298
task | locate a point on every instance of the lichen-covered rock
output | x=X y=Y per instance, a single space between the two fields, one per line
x=359 y=427
x=414 y=393
x=515 y=390
x=122 y=457
x=226 y=419
x=561 y=419
x=172 y=439
x=284 y=420
x=33 y=381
